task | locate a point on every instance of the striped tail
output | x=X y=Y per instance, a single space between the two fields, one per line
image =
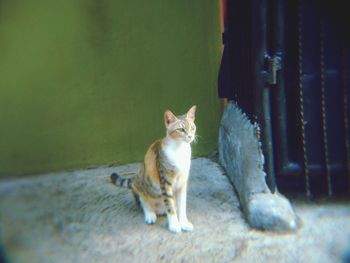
x=121 y=180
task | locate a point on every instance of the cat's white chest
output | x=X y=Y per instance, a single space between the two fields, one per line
x=179 y=154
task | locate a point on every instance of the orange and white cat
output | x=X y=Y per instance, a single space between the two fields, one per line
x=160 y=186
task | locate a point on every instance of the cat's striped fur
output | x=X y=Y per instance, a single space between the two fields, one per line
x=160 y=185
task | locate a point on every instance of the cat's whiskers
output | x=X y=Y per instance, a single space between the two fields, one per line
x=196 y=136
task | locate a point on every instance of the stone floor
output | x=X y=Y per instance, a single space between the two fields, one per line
x=79 y=216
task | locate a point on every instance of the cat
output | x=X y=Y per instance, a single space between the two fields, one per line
x=160 y=185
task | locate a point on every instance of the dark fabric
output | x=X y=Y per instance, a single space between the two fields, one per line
x=235 y=80
x=225 y=89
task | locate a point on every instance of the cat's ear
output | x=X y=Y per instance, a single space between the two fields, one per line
x=191 y=114
x=169 y=118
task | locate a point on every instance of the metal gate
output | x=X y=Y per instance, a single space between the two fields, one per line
x=286 y=63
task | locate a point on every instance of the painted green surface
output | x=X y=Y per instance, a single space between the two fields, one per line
x=86 y=82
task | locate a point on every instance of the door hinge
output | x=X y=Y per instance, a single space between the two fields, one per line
x=272 y=65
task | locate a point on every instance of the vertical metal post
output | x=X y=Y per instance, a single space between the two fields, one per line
x=262 y=103
x=268 y=139
x=301 y=101
x=324 y=110
x=284 y=166
x=346 y=112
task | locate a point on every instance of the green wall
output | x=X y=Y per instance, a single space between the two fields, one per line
x=86 y=82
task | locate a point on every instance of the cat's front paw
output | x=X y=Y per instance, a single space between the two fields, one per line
x=150 y=218
x=187 y=226
x=175 y=227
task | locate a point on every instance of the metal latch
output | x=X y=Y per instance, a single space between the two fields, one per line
x=273 y=64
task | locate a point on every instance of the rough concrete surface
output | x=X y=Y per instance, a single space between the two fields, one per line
x=79 y=216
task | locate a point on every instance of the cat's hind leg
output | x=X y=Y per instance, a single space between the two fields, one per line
x=149 y=213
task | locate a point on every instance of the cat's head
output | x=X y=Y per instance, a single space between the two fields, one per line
x=181 y=128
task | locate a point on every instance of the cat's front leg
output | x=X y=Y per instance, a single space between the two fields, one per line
x=173 y=221
x=181 y=204
x=174 y=225
x=169 y=203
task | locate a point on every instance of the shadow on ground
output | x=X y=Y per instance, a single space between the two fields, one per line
x=80 y=217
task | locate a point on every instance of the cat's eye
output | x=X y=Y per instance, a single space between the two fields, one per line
x=182 y=130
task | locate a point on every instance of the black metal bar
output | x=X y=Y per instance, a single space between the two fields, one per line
x=345 y=84
x=324 y=111
x=301 y=100
x=262 y=103
x=284 y=166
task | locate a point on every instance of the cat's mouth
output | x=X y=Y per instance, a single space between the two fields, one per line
x=188 y=139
